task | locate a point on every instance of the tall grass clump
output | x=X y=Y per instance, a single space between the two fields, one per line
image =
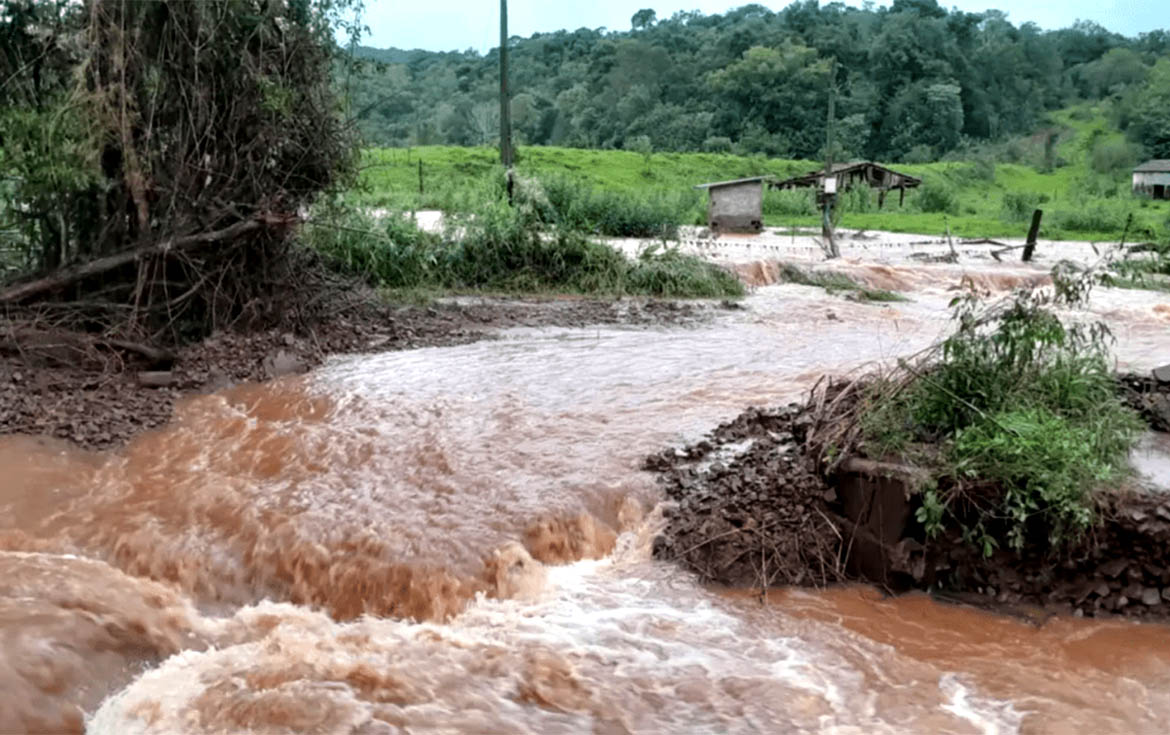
x=857 y=200
x=517 y=248
x=391 y=251
x=576 y=206
x=1021 y=417
x=1098 y=216
x=502 y=248
x=1018 y=206
x=664 y=271
x=790 y=202
x=938 y=195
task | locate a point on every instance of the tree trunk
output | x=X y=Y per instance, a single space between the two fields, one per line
x=72 y=274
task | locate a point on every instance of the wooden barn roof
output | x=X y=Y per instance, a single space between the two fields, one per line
x=813 y=178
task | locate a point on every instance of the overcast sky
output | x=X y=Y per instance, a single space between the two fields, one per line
x=447 y=25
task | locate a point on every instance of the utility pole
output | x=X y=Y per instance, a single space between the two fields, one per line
x=505 y=103
x=830 y=181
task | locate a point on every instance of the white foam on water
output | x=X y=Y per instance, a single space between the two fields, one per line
x=992 y=717
x=622 y=643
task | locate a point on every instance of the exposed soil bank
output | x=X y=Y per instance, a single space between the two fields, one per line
x=752 y=508
x=99 y=398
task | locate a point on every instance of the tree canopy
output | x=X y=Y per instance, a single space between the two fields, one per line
x=913 y=76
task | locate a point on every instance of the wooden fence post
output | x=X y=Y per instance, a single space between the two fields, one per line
x=1033 y=233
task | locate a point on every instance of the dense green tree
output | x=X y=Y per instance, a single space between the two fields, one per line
x=910 y=76
x=926 y=114
x=1147 y=120
x=1112 y=73
x=644 y=18
x=784 y=91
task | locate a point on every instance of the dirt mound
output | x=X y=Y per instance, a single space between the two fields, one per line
x=98 y=395
x=750 y=509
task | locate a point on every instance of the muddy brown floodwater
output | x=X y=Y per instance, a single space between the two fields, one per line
x=458 y=540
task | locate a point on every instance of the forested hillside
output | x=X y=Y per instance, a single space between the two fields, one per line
x=914 y=83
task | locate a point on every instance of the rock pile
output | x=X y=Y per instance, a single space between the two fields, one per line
x=749 y=508
x=1149 y=396
x=1123 y=568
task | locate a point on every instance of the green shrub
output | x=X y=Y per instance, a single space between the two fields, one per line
x=919 y=154
x=1096 y=217
x=502 y=248
x=717 y=144
x=937 y=195
x=1024 y=415
x=790 y=202
x=1046 y=464
x=392 y=252
x=857 y=200
x=1018 y=206
x=668 y=273
x=616 y=214
x=1114 y=156
x=981 y=169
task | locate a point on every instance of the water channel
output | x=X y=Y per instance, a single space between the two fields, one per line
x=457 y=540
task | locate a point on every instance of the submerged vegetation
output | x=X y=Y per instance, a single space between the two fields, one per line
x=1016 y=416
x=1145 y=267
x=834 y=282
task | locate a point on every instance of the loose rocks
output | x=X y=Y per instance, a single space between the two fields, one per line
x=750 y=509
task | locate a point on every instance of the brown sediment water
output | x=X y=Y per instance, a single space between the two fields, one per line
x=458 y=540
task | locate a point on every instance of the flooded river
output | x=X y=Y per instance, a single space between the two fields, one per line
x=457 y=540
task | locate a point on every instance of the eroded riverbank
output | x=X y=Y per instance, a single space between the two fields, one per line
x=99 y=400
x=751 y=508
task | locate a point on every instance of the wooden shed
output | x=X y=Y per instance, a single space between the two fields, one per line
x=849 y=175
x=735 y=206
x=1152 y=179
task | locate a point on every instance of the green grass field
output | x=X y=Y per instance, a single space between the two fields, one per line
x=974 y=198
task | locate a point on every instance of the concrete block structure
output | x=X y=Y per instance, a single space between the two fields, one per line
x=735 y=206
x=1152 y=179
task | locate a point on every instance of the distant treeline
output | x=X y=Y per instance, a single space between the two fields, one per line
x=914 y=82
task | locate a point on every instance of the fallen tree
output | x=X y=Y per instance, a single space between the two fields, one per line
x=70 y=275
